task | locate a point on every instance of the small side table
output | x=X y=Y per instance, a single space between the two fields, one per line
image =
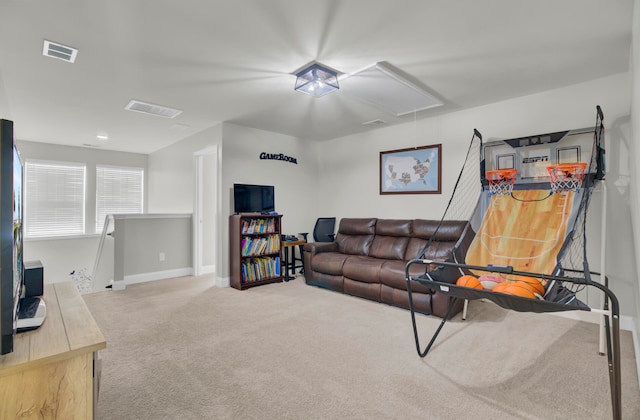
x=286 y=247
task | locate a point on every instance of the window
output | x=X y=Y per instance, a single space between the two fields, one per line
x=54 y=198
x=118 y=190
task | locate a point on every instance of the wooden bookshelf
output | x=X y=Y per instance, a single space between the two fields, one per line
x=255 y=250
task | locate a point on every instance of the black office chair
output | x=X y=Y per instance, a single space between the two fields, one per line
x=323 y=231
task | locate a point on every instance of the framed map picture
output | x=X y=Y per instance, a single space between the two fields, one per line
x=416 y=170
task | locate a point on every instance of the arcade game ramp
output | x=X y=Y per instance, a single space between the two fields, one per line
x=526 y=233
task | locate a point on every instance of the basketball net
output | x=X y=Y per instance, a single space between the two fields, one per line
x=566 y=177
x=501 y=181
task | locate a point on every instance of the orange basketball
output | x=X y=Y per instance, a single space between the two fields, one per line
x=489 y=281
x=516 y=289
x=469 y=281
x=534 y=283
x=500 y=287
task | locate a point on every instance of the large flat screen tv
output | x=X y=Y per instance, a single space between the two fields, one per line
x=11 y=264
x=249 y=198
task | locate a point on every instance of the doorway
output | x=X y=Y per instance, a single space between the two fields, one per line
x=206 y=211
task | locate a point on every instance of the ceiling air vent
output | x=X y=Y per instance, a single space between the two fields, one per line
x=152 y=109
x=59 y=51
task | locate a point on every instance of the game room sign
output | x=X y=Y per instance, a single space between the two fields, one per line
x=278 y=156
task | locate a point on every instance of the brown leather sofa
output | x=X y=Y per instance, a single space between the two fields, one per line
x=369 y=256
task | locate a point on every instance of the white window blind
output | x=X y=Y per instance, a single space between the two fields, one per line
x=118 y=190
x=54 y=198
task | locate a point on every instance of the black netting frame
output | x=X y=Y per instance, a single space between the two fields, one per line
x=571 y=274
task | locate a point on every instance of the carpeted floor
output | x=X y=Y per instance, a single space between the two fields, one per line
x=184 y=349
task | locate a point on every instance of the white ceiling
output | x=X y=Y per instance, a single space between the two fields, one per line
x=232 y=60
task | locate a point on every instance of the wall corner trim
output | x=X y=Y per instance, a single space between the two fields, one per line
x=223 y=282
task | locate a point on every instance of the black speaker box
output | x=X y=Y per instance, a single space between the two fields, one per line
x=33 y=278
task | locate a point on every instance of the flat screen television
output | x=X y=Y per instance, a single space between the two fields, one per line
x=249 y=198
x=11 y=263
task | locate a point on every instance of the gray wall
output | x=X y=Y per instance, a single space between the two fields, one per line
x=139 y=240
x=172 y=186
x=296 y=185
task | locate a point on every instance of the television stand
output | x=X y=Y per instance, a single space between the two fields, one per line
x=54 y=371
x=31 y=314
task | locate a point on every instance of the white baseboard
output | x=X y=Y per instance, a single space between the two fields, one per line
x=223 y=281
x=626 y=322
x=208 y=269
x=157 y=275
x=118 y=285
x=167 y=274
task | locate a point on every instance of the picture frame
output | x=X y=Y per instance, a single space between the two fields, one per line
x=414 y=170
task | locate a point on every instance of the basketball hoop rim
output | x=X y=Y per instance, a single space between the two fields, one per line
x=568 y=166
x=502 y=174
x=561 y=171
x=566 y=176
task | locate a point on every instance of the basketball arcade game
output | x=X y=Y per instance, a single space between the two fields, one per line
x=527 y=211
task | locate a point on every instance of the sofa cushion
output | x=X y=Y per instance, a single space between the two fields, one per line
x=422 y=230
x=388 y=247
x=354 y=245
x=389 y=227
x=400 y=298
x=392 y=275
x=351 y=226
x=329 y=263
x=438 y=251
x=355 y=236
x=414 y=248
x=392 y=237
x=327 y=281
x=364 y=269
x=451 y=230
x=361 y=289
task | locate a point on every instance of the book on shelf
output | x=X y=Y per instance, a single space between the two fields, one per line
x=261 y=268
x=258 y=225
x=260 y=245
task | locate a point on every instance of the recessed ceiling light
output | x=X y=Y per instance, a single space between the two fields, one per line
x=102 y=136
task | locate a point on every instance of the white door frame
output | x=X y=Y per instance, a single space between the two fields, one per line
x=198 y=159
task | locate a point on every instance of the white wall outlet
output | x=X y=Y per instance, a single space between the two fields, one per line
x=162 y=256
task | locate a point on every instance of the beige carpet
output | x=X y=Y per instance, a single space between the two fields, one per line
x=184 y=349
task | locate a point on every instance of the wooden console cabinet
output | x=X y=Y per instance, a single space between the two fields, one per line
x=51 y=372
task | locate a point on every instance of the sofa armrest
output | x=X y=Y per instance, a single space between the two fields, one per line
x=318 y=247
